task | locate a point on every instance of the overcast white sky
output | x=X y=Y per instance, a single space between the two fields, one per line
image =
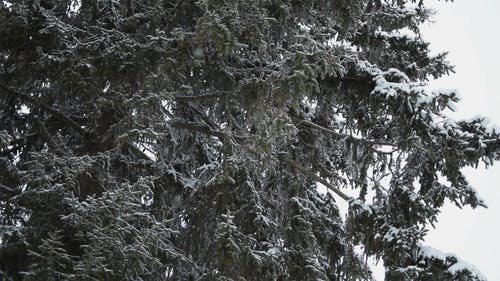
x=470 y=31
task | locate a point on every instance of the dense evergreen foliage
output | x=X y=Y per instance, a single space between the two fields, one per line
x=184 y=140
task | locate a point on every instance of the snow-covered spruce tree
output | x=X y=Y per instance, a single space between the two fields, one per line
x=184 y=140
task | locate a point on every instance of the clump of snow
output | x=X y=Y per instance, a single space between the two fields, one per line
x=74 y=7
x=485 y=122
x=383 y=87
x=388 y=88
x=394 y=82
x=7 y=4
x=304 y=27
x=430 y=252
x=403 y=33
x=358 y=203
x=341 y=43
x=459 y=266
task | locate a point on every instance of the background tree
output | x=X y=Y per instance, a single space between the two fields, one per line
x=184 y=140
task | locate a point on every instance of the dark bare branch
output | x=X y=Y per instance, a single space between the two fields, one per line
x=49 y=139
x=312 y=175
x=185 y=98
x=59 y=115
x=203 y=116
x=341 y=135
x=8 y=190
x=136 y=151
x=197 y=128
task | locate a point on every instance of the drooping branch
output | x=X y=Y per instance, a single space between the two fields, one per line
x=56 y=113
x=346 y=136
x=7 y=192
x=136 y=151
x=197 y=128
x=185 y=98
x=312 y=175
x=49 y=139
x=203 y=116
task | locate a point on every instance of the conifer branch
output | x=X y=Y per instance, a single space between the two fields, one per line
x=49 y=139
x=197 y=128
x=56 y=113
x=312 y=175
x=184 y=98
x=341 y=135
x=203 y=116
x=136 y=151
x=8 y=190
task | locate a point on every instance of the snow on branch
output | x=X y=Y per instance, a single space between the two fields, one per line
x=456 y=265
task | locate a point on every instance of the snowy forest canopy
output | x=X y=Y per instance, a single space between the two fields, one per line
x=186 y=140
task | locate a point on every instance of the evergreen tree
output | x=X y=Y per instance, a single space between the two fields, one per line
x=184 y=140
